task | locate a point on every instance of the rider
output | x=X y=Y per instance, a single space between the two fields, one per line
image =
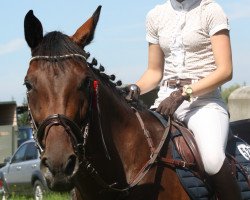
x=189 y=54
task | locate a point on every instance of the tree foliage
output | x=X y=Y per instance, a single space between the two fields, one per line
x=23 y=118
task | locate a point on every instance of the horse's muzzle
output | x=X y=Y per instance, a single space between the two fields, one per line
x=60 y=178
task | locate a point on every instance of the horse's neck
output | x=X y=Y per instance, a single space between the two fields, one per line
x=113 y=108
x=124 y=132
x=124 y=138
x=113 y=117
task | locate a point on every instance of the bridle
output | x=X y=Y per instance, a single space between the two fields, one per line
x=79 y=134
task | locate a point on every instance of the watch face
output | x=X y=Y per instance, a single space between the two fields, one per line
x=189 y=90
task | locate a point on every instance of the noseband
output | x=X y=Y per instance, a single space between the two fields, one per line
x=78 y=135
x=71 y=128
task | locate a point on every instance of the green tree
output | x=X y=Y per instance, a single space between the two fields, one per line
x=23 y=116
x=227 y=91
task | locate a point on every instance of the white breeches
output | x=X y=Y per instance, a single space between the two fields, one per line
x=208 y=119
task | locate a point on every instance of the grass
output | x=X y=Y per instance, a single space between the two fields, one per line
x=50 y=196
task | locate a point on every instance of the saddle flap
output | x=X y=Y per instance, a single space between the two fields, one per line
x=182 y=147
x=186 y=145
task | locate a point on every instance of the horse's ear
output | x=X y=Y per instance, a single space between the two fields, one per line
x=33 y=30
x=85 y=34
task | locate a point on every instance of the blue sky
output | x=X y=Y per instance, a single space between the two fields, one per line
x=119 y=42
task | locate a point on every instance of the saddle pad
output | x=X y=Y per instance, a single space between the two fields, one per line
x=196 y=188
x=241 y=151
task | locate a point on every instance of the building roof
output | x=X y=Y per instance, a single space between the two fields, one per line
x=241 y=93
x=8 y=103
x=8 y=113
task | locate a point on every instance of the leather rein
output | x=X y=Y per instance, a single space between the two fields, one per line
x=79 y=135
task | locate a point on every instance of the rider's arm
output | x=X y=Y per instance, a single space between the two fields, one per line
x=153 y=75
x=223 y=59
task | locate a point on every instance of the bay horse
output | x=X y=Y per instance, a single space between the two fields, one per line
x=92 y=141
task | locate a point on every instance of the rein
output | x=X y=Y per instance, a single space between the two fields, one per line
x=79 y=135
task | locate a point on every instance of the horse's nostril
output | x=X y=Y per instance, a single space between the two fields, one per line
x=70 y=165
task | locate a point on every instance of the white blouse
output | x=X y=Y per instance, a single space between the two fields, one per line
x=183 y=31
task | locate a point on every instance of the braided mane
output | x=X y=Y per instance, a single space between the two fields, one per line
x=55 y=44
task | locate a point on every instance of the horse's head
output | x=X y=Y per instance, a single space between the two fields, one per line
x=57 y=84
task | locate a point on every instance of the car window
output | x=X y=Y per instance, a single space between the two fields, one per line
x=31 y=151
x=23 y=134
x=20 y=154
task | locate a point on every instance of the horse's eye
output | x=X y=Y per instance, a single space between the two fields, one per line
x=28 y=85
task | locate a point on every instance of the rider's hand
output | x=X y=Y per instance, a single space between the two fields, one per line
x=169 y=105
x=133 y=92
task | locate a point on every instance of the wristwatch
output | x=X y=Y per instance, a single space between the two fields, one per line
x=187 y=89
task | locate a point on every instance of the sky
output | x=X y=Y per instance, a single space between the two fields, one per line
x=119 y=43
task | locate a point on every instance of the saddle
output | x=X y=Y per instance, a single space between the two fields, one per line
x=187 y=161
x=185 y=144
